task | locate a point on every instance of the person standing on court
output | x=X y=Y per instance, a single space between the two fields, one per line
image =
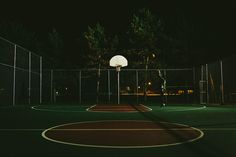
x=163 y=88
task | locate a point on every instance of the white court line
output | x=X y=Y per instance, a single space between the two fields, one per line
x=88 y=109
x=105 y=129
x=109 y=146
x=103 y=110
x=190 y=109
x=22 y=130
x=219 y=129
x=150 y=109
x=138 y=129
x=51 y=110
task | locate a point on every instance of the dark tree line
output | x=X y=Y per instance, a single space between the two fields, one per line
x=147 y=43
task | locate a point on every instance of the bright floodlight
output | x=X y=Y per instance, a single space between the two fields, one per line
x=118 y=61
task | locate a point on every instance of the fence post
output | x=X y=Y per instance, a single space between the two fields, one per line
x=203 y=85
x=109 y=85
x=207 y=84
x=194 y=84
x=80 y=99
x=29 y=90
x=41 y=79
x=137 y=87
x=200 y=86
x=222 y=82
x=51 y=85
x=14 y=79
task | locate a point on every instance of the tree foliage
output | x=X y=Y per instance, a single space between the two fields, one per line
x=55 y=49
x=56 y=44
x=144 y=34
x=144 y=29
x=19 y=34
x=101 y=48
x=97 y=43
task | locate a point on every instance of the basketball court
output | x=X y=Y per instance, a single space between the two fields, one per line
x=94 y=130
x=121 y=113
x=122 y=134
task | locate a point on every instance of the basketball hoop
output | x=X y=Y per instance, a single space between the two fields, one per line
x=118 y=61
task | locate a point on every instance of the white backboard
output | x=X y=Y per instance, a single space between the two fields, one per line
x=118 y=61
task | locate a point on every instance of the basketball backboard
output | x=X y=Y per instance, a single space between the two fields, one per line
x=118 y=60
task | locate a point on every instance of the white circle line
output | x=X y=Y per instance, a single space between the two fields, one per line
x=107 y=146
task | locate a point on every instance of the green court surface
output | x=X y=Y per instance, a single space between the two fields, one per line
x=22 y=127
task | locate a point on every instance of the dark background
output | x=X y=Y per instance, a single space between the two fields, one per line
x=213 y=21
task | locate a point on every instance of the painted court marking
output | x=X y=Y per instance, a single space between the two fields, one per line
x=189 y=109
x=150 y=109
x=103 y=111
x=114 y=109
x=203 y=129
x=166 y=109
x=90 y=107
x=52 y=110
x=201 y=134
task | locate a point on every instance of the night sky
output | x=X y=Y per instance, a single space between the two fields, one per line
x=214 y=21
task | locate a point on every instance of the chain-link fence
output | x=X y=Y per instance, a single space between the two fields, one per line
x=23 y=81
x=20 y=75
x=228 y=80
x=211 y=83
x=100 y=86
x=217 y=82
